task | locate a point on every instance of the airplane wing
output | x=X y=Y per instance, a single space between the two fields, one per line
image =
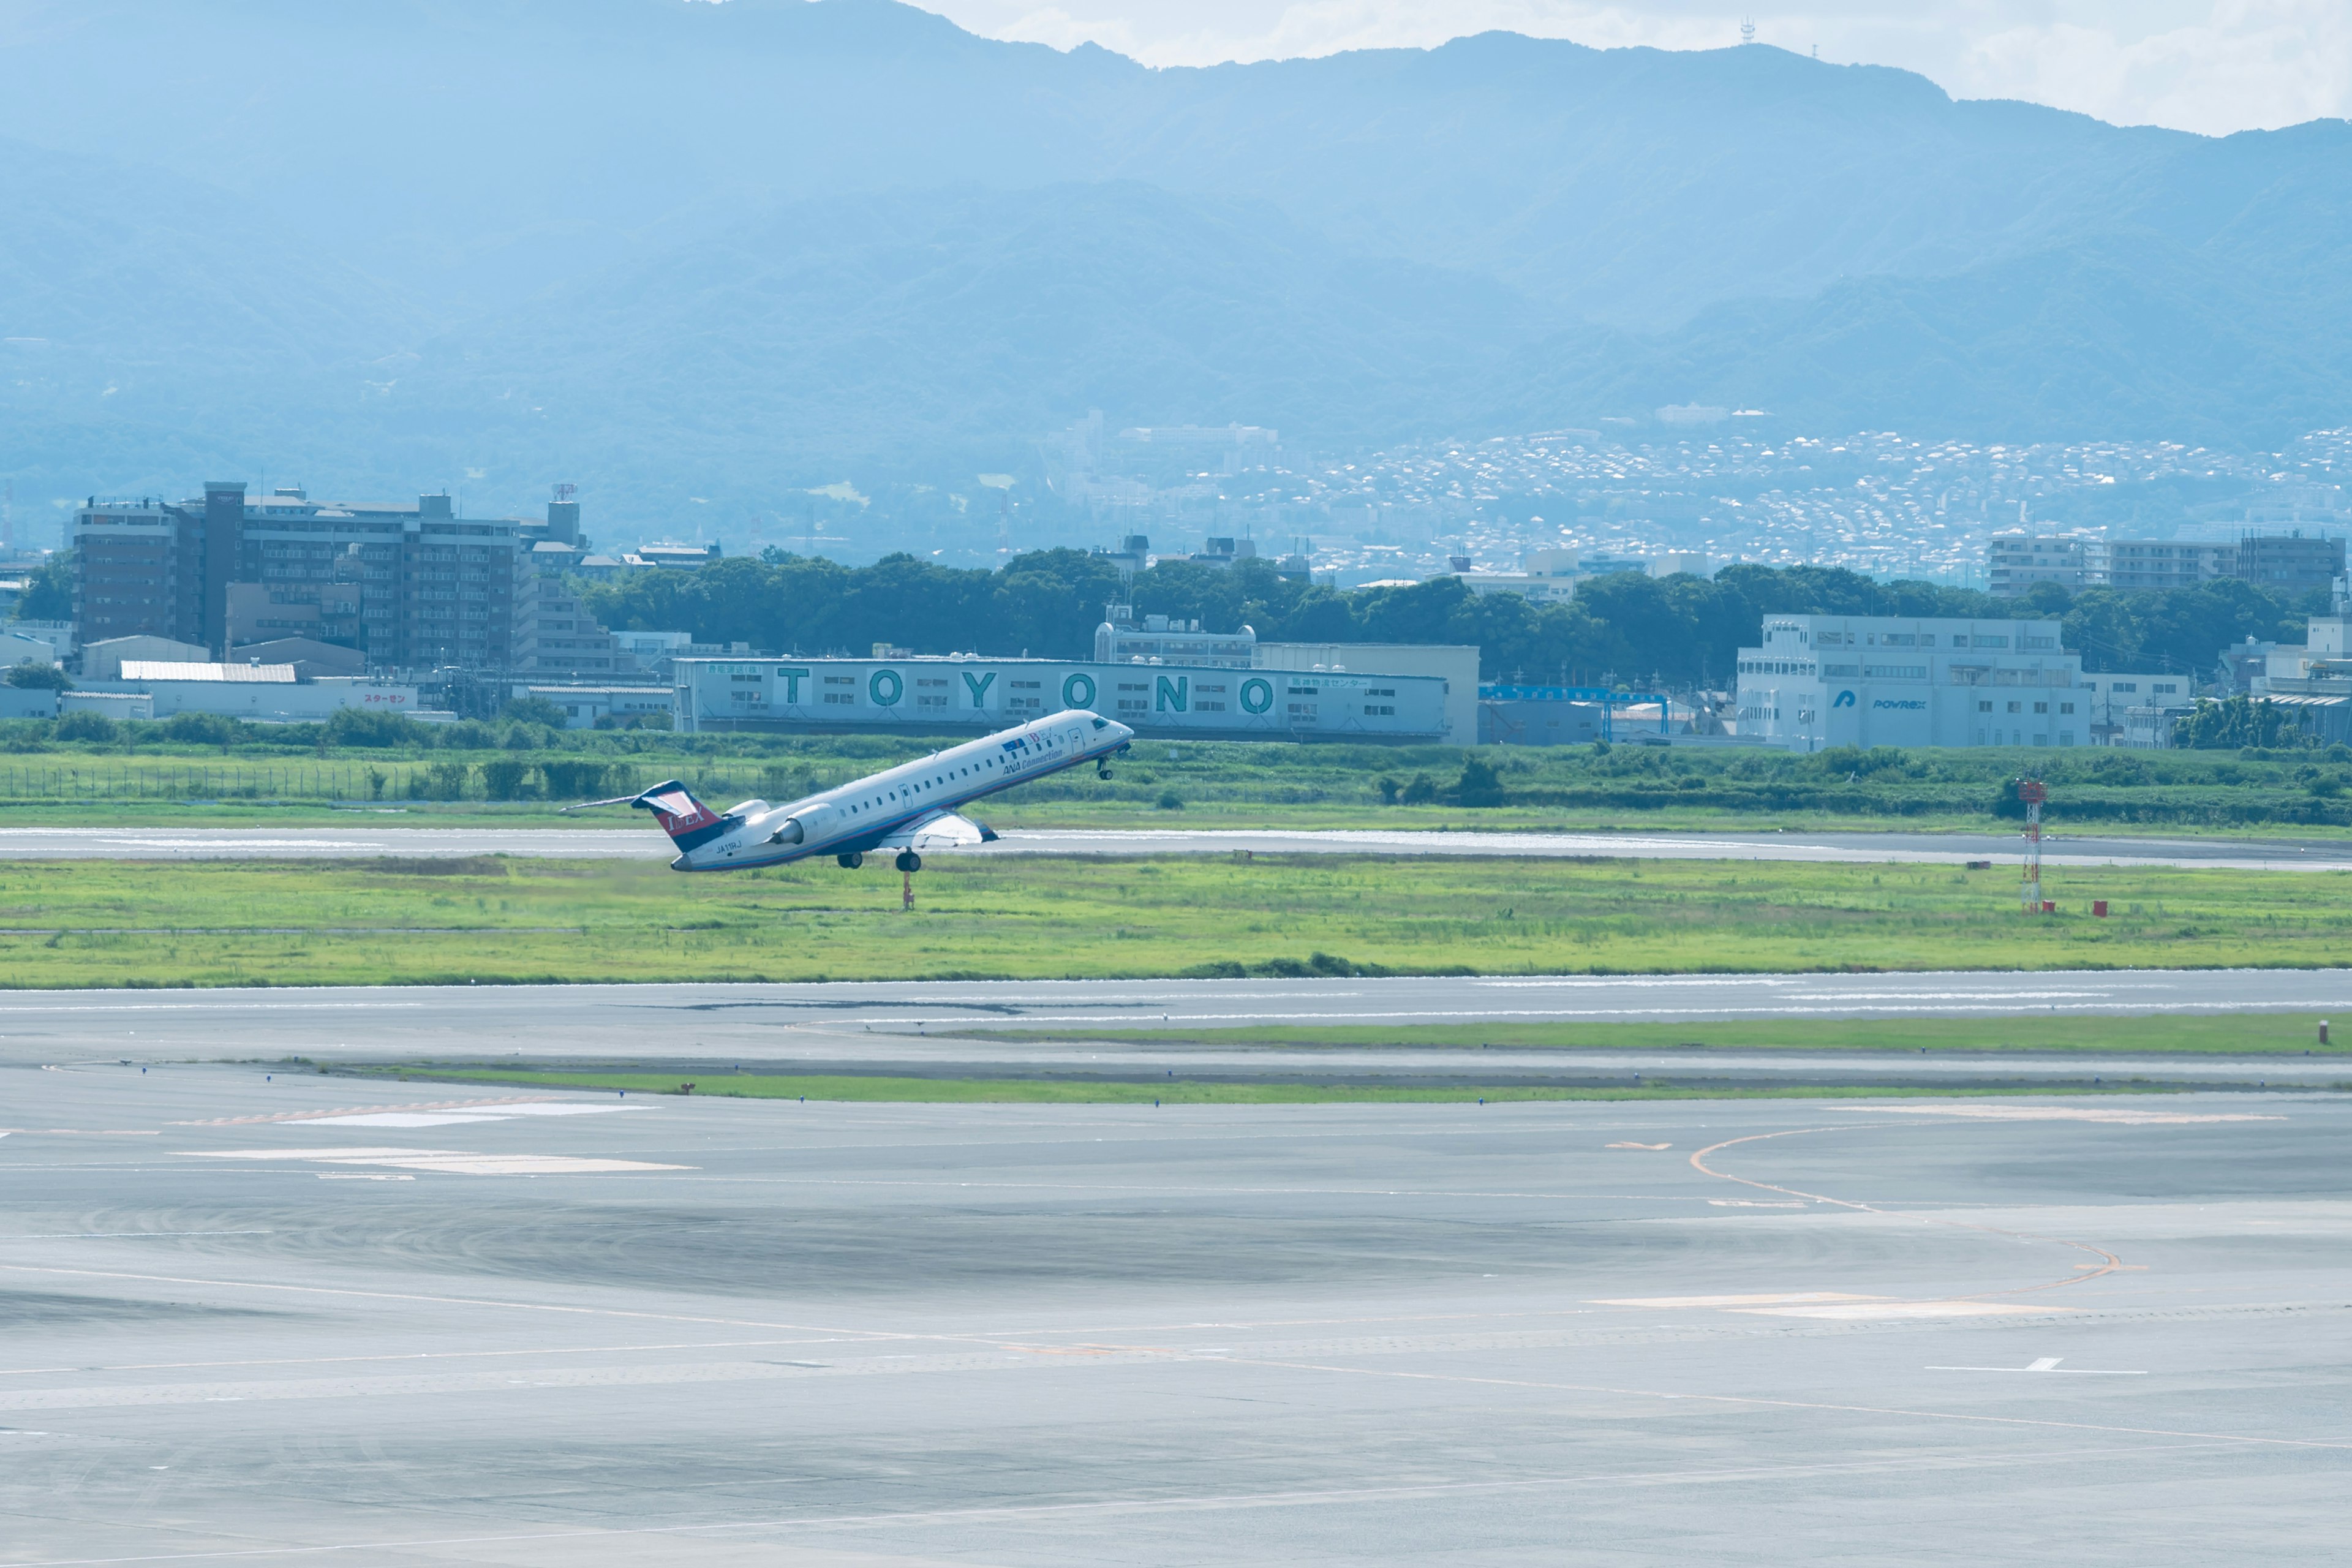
x=940 y=830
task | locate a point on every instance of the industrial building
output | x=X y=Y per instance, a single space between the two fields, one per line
x=626 y=706
x=1119 y=639
x=265 y=693
x=936 y=695
x=2314 y=680
x=1852 y=680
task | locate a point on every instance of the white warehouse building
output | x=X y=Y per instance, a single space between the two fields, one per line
x=1855 y=680
x=929 y=695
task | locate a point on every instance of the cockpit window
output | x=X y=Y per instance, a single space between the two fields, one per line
x=1100 y=724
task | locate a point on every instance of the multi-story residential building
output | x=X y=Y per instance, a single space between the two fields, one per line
x=413 y=586
x=1851 y=680
x=554 y=634
x=2290 y=564
x=2166 y=562
x=2015 y=561
x=2284 y=563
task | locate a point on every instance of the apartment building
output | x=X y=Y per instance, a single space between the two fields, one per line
x=2288 y=564
x=413 y=586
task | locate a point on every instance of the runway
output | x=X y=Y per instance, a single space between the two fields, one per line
x=638 y=842
x=890 y=1027
x=293 y=1319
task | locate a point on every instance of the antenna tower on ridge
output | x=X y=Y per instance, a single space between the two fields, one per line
x=1747 y=29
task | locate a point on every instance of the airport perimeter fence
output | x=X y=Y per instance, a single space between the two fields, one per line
x=499 y=780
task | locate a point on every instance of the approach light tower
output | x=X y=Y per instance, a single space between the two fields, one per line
x=2033 y=793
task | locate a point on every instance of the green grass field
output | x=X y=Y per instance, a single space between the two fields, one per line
x=279 y=775
x=65 y=923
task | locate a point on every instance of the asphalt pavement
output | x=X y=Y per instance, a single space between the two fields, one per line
x=366 y=840
x=262 y=1317
x=899 y=1027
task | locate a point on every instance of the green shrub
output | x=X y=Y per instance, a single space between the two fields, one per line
x=85 y=725
x=504 y=779
x=374 y=727
x=201 y=729
x=574 y=779
x=534 y=710
x=1478 y=784
x=34 y=675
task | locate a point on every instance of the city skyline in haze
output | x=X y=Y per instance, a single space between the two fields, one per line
x=2212 y=67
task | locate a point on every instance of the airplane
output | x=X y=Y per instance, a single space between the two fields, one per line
x=912 y=808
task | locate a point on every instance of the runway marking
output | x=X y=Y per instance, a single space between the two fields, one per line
x=2046 y=1364
x=454 y=1162
x=1897 y=1312
x=507 y=1101
x=467 y=1118
x=2107 y=1263
x=1778 y=1298
x=1652 y=1147
x=2065 y=1113
x=234 y=1002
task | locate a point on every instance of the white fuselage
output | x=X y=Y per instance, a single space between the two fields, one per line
x=856 y=817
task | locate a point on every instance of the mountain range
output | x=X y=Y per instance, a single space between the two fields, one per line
x=671 y=248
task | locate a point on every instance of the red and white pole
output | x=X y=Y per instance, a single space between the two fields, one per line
x=2033 y=793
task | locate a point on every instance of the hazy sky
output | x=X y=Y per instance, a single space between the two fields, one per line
x=2214 y=66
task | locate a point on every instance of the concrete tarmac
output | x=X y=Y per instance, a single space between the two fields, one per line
x=891 y=1027
x=366 y=840
x=271 y=1316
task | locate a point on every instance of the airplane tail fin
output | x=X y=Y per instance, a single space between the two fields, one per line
x=686 y=820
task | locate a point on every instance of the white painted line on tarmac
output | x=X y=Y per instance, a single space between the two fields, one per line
x=2046 y=1364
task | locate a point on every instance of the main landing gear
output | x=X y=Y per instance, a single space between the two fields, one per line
x=849 y=862
x=908 y=864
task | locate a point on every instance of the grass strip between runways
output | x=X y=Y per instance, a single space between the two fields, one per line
x=2221 y=1034
x=490 y=920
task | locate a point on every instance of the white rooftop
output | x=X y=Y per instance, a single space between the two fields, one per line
x=158 y=669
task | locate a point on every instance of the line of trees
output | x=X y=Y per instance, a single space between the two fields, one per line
x=1681 y=631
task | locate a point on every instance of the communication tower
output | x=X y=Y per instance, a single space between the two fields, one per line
x=565 y=492
x=2033 y=793
x=1747 y=29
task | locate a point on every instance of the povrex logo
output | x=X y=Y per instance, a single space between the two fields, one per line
x=1905 y=703
x=1844 y=699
